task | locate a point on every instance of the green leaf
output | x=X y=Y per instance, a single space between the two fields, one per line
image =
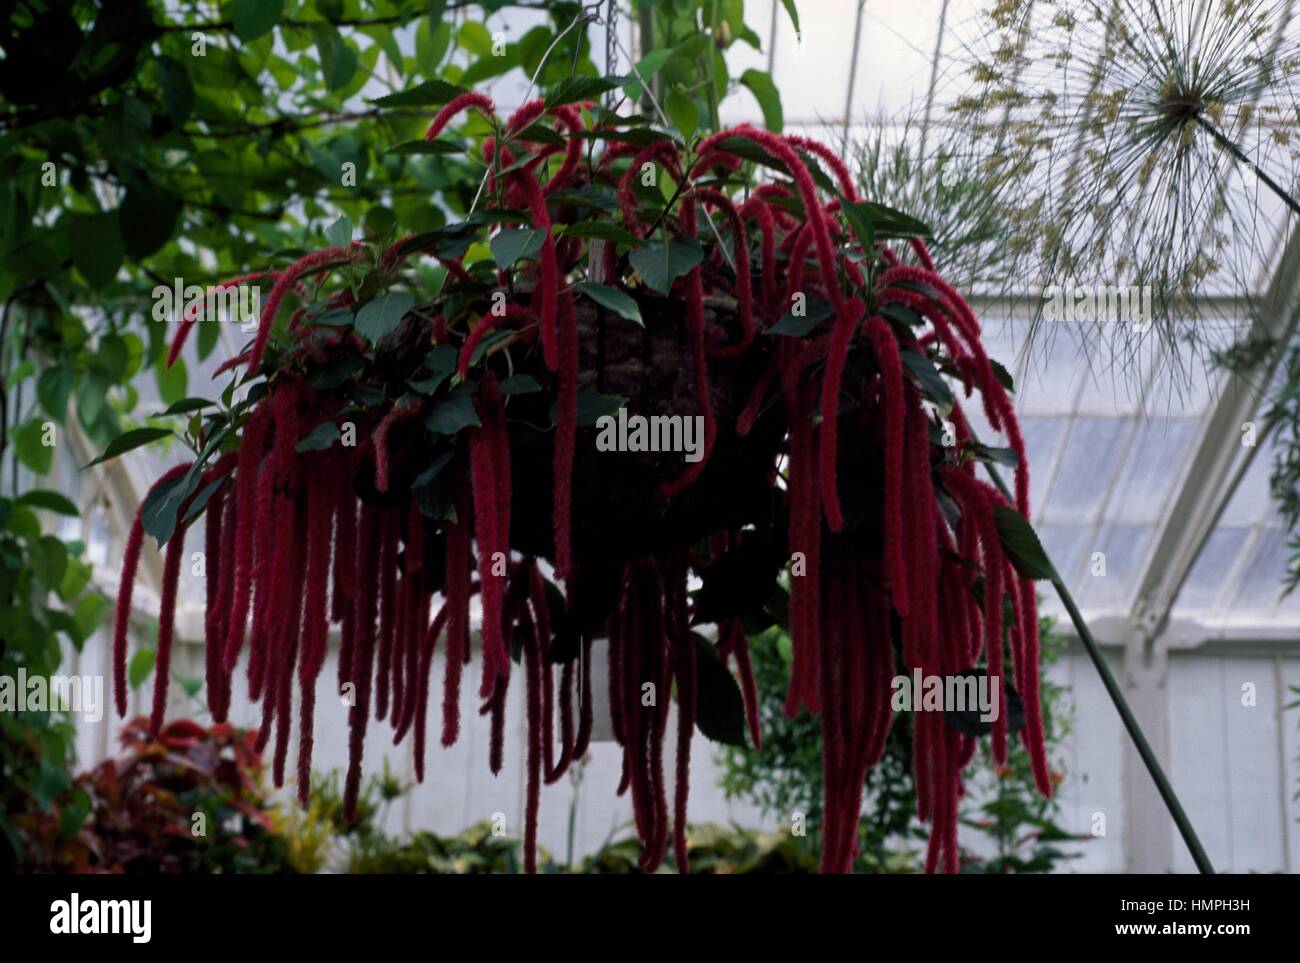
x=97 y=252
x=681 y=110
x=338 y=59
x=760 y=85
x=319 y=438
x=253 y=18
x=646 y=68
x=431 y=93
x=998 y=456
x=793 y=15
x=379 y=221
x=593 y=406
x=596 y=198
x=540 y=134
x=602 y=231
x=491 y=341
x=520 y=384
x=50 y=501
x=1021 y=544
x=719 y=706
x=884 y=223
x=573 y=89
x=200 y=501
x=795 y=326
x=453 y=413
x=187 y=405
x=612 y=298
x=512 y=243
x=172 y=381
x=428 y=147
x=190 y=684
x=141 y=665
x=147 y=219
x=91 y=393
x=73 y=815
x=381 y=316
x=89 y=614
x=161 y=507
x=30 y=447
x=339 y=234
x=177 y=90
x=440 y=363
x=75 y=579
x=932 y=383
x=901 y=316
x=48 y=559
x=1003 y=375
x=53 y=389
x=128 y=440
x=661 y=263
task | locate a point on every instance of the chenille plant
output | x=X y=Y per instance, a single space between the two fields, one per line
x=736 y=277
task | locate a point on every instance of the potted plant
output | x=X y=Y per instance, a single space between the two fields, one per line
x=393 y=456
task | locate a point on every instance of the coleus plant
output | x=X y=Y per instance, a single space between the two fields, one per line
x=809 y=330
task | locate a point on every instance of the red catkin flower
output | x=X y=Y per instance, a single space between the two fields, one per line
x=845 y=326
x=566 y=428
x=457 y=594
x=404 y=410
x=126 y=588
x=246 y=477
x=368 y=549
x=192 y=316
x=166 y=628
x=284 y=283
x=458 y=105
x=886 y=348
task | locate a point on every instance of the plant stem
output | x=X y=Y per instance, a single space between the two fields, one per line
x=710 y=53
x=1122 y=707
x=1231 y=147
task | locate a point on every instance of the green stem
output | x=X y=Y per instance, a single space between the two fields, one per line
x=1231 y=147
x=1125 y=713
x=710 y=55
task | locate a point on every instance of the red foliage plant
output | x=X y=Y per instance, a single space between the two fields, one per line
x=885 y=527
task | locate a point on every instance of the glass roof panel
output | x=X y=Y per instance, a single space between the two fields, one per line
x=1092 y=451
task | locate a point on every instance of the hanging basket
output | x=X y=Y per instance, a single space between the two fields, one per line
x=835 y=494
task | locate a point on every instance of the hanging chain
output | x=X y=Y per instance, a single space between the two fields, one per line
x=611 y=45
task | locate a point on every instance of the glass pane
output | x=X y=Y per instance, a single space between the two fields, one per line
x=1042 y=443
x=1204 y=583
x=1111 y=582
x=1260 y=587
x=1092 y=450
x=1154 y=461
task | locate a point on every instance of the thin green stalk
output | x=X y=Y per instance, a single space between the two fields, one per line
x=1125 y=713
x=1231 y=147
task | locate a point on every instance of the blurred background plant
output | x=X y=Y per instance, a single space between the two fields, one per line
x=193 y=800
x=981 y=218
x=1143 y=134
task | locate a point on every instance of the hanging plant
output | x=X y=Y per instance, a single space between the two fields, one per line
x=805 y=328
